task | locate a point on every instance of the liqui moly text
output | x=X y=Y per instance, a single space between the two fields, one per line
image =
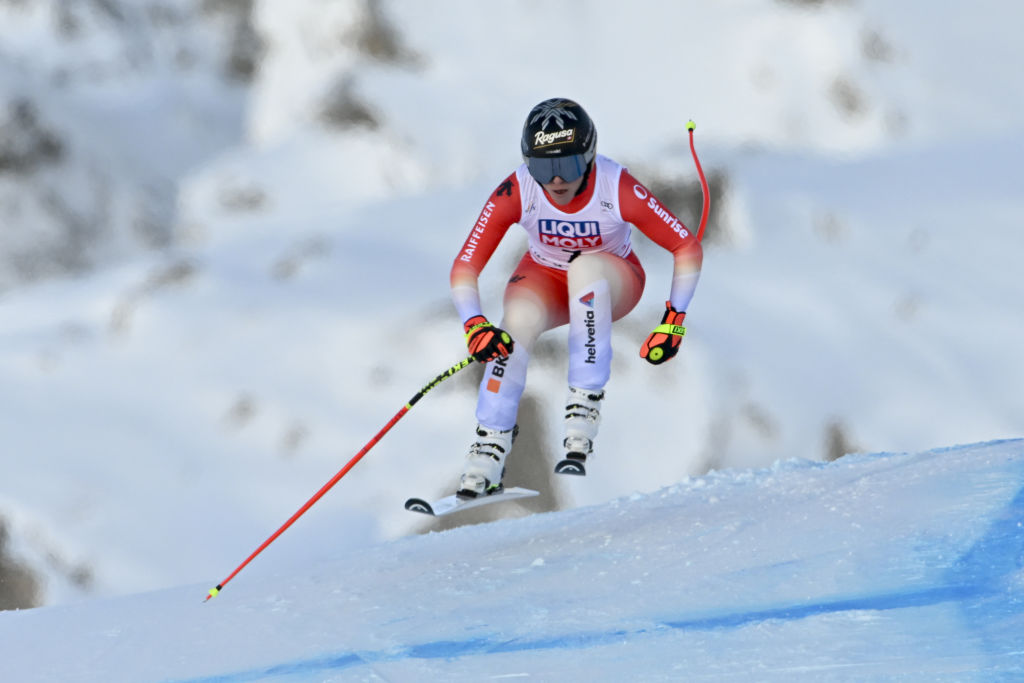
x=570 y=234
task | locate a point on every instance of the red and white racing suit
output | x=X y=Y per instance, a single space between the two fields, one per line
x=579 y=269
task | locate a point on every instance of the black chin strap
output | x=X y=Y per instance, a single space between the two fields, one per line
x=586 y=180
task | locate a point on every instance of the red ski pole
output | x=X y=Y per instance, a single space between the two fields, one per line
x=344 y=470
x=706 y=209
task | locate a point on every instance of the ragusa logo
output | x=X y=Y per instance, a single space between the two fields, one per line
x=542 y=139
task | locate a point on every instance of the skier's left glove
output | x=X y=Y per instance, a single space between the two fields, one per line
x=663 y=343
x=485 y=341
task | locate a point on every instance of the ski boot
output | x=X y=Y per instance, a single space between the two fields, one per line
x=582 y=418
x=485 y=463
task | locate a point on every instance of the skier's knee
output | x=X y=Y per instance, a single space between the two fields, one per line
x=587 y=266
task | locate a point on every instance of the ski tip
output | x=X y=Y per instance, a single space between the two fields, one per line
x=568 y=466
x=419 y=505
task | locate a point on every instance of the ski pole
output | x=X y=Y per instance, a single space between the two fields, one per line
x=706 y=209
x=344 y=470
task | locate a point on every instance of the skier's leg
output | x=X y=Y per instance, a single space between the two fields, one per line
x=601 y=288
x=534 y=302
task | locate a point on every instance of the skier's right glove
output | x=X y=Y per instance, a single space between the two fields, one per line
x=663 y=343
x=485 y=341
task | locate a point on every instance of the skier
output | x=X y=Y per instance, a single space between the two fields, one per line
x=576 y=207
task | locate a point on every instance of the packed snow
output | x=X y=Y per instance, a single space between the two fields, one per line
x=874 y=567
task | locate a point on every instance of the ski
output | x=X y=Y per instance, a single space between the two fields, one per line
x=450 y=504
x=571 y=466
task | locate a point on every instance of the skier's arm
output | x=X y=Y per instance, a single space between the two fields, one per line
x=501 y=210
x=641 y=208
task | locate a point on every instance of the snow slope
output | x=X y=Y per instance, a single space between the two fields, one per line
x=873 y=567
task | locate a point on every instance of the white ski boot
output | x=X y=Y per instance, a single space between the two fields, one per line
x=485 y=463
x=582 y=418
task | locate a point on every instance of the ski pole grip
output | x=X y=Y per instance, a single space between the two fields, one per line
x=674 y=330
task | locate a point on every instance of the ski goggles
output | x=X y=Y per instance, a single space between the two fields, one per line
x=568 y=168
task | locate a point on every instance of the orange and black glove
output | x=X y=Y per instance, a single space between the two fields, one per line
x=485 y=341
x=663 y=343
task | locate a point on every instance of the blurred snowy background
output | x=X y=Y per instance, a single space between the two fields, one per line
x=227 y=227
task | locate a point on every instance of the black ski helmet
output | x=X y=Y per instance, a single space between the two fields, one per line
x=559 y=139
